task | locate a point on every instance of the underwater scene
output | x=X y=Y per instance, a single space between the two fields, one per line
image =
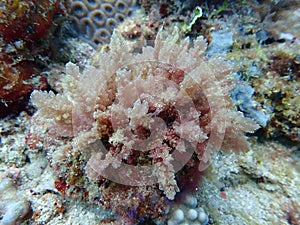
x=149 y=112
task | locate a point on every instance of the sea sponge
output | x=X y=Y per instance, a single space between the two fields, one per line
x=95 y=20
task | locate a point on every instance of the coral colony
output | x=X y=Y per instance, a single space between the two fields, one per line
x=129 y=130
x=95 y=21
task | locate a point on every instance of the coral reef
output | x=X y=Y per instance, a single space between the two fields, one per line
x=277 y=85
x=266 y=47
x=95 y=21
x=119 y=131
x=260 y=185
x=30 y=181
x=18 y=78
x=25 y=28
x=26 y=20
x=246 y=187
x=134 y=93
x=12 y=142
x=279 y=89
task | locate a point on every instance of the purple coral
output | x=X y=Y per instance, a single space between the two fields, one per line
x=133 y=120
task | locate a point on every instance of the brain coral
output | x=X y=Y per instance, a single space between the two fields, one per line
x=133 y=129
x=95 y=20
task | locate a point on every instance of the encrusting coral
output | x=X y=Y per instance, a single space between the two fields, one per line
x=128 y=130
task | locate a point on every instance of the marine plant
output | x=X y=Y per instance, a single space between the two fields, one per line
x=137 y=125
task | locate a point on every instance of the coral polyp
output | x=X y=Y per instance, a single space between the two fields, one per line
x=94 y=21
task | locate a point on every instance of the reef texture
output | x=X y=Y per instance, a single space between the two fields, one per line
x=118 y=132
x=95 y=20
x=265 y=43
x=250 y=185
x=270 y=60
x=13 y=207
x=25 y=28
x=258 y=187
x=279 y=88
